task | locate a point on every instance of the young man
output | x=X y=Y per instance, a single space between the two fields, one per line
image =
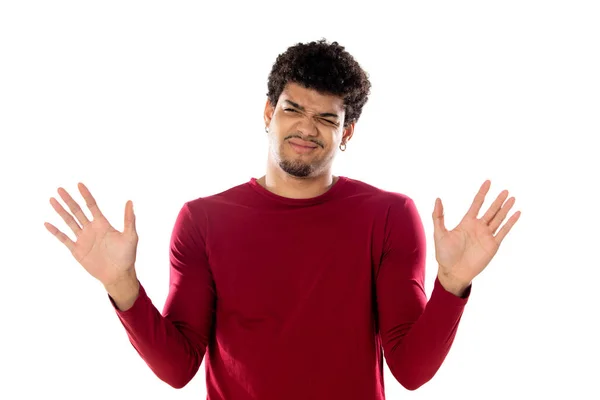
x=297 y=284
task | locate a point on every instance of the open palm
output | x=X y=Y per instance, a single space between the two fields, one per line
x=104 y=252
x=465 y=251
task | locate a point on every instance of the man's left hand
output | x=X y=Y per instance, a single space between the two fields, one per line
x=465 y=251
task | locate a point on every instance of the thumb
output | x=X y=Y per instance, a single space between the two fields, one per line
x=439 y=228
x=129 y=226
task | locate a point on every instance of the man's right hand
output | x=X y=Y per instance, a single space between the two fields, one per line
x=107 y=254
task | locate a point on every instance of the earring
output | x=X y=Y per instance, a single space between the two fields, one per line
x=343 y=147
x=266 y=129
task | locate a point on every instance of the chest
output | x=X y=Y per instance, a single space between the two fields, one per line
x=267 y=265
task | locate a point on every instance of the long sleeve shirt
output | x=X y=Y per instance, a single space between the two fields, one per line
x=297 y=298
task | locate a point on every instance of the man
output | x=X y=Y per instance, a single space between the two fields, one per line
x=296 y=285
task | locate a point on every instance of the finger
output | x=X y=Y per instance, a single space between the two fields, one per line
x=90 y=202
x=495 y=207
x=129 y=218
x=60 y=236
x=501 y=215
x=479 y=199
x=507 y=227
x=68 y=218
x=74 y=207
x=439 y=227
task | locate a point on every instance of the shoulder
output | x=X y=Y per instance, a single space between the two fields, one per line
x=378 y=195
x=233 y=194
x=392 y=208
x=199 y=207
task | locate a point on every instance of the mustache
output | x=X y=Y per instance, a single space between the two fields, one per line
x=317 y=142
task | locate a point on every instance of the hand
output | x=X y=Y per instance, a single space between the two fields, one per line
x=107 y=254
x=465 y=251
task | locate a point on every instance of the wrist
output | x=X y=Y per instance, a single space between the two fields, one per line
x=453 y=285
x=123 y=280
x=124 y=291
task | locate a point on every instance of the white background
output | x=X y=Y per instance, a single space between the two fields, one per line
x=162 y=102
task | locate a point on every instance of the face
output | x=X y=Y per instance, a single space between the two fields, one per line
x=305 y=130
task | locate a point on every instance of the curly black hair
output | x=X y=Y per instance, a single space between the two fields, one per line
x=325 y=67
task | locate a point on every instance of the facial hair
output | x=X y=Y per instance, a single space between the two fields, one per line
x=296 y=168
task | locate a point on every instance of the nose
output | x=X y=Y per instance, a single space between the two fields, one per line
x=307 y=127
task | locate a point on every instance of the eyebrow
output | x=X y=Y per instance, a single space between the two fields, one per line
x=298 y=106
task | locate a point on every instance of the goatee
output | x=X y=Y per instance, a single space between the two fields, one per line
x=297 y=169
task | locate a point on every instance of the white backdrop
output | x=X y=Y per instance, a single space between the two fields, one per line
x=162 y=103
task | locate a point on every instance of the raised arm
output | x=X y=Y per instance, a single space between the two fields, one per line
x=173 y=343
x=416 y=334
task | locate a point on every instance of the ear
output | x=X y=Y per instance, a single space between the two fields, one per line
x=348 y=132
x=269 y=110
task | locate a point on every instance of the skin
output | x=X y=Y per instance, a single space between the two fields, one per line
x=465 y=251
x=298 y=117
x=462 y=253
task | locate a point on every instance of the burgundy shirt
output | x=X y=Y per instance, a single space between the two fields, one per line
x=297 y=298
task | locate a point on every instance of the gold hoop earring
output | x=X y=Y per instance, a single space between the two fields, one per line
x=343 y=147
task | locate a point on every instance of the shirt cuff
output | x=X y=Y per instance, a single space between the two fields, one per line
x=450 y=298
x=138 y=304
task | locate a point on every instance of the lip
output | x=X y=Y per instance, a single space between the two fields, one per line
x=303 y=143
x=302 y=149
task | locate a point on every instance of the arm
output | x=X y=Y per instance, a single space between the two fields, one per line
x=173 y=344
x=416 y=334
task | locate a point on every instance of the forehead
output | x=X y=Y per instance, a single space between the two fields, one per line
x=312 y=99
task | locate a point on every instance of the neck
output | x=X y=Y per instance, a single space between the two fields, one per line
x=282 y=184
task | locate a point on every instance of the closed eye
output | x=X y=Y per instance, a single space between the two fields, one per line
x=322 y=119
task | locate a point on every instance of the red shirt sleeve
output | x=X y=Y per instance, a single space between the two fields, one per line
x=173 y=343
x=416 y=334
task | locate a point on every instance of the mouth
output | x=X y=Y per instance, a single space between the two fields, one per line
x=302 y=147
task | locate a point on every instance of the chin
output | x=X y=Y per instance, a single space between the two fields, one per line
x=297 y=169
